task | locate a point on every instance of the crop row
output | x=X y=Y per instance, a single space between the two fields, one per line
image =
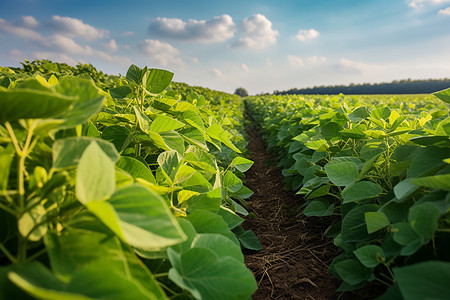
x=120 y=187
x=378 y=167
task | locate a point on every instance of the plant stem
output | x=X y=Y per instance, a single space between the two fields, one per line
x=7 y=209
x=8 y=254
x=13 y=138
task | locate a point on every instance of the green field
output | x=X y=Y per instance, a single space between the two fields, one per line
x=132 y=187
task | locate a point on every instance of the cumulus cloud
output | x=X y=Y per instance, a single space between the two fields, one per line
x=317 y=59
x=217 y=29
x=76 y=28
x=295 y=61
x=445 y=11
x=306 y=34
x=257 y=33
x=217 y=73
x=111 y=45
x=421 y=3
x=20 y=31
x=28 y=22
x=55 y=56
x=348 y=66
x=161 y=52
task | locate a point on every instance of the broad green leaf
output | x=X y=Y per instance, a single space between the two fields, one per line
x=32 y=102
x=140 y=217
x=232 y=182
x=67 y=152
x=95 y=179
x=143 y=120
x=428 y=160
x=206 y=201
x=331 y=130
x=360 y=190
x=217 y=132
x=359 y=114
x=164 y=123
x=318 y=208
x=193 y=118
x=207 y=276
x=405 y=189
x=321 y=191
x=119 y=92
x=375 y=220
x=354 y=227
x=208 y=222
x=437 y=182
x=444 y=95
x=134 y=74
x=432 y=140
x=424 y=280
x=352 y=271
x=370 y=255
x=168 y=140
x=169 y=161
x=424 y=220
x=86 y=242
x=88 y=103
x=381 y=113
x=405 y=235
x=342 y=174
x=156 y=80
x=120 y=136
x=220 y=245
x=443 y=127
x=248 y=239
x=135 y=168
x=230 y=217
x=318 y=145
x=356 y=132
x=242 y=164
x=31 y=224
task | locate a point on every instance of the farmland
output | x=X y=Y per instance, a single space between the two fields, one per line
x=138 y=184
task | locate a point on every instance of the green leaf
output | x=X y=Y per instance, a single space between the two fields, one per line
x=370 y=255
x=427 y=161
x=134 y=74
x=242 y=164
x=207 y=276
x=67 y=152
x=359 y=114
x=169 y=161
x=156 y=80
x=444 y=95
x=405 y=235
x=220 y=245
x=135 y=168
x=119 y=92
x=405 y=189
x=375 y=221
x=168 y=140
x=434 y=275
x=120 y=136
x=164 y=123
x=95 y=179
x=217 y=132
x=230 y=217
x=424 y=220
x=32 y=101
x=208 y=222
x=319 y=208
x=360 y=190
x=436 y=182
x=143 y=120
x=342 y=173
x=31 y=224
x=248 y=240
x=352 y=271
x=354 y=226
x=381 y=113
x=139 y=217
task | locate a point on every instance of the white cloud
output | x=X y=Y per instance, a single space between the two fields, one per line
x=257 y=33
x=445 y=11
x=28 y=22
x=75 y=28
x=20 y=31
x=306 y=34
x=295 y=61
x=111 y=45
x=217 y=73
x=244 y=67
x=421 y=3
x=55 y=56
x=161 y=52
x=317 y=59
x=217 y=29
x=349 y=66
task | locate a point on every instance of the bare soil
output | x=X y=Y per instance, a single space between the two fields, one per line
x=293 y=263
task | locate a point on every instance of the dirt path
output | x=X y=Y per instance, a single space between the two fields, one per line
x=295 y=258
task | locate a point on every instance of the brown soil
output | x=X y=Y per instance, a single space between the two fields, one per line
x=295 y=257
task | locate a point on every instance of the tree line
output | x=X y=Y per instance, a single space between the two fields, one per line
x=406 y=86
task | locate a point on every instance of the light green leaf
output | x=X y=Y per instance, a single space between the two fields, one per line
x=156 y=80
x=32 y=225
x=405 y=189
x=95 y=179
x=164 y=123
x=134 y=74
x=375 y=220
x=360 y=190
x=217 y=132
x=437 y=182
x=342 y=173
x=220 y=245
x=444 y=95
x=135 y=168
x=370 y=255
x=242 y=164
x=143 y=120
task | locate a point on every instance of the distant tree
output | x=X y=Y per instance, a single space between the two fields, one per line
x=241 y=92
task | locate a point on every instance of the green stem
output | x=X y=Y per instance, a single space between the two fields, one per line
x=22 y=249
x=8 y=254
x=13 y=138
x=37 y=254
x=7 y=209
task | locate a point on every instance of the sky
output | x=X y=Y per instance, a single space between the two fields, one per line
x=260 y=45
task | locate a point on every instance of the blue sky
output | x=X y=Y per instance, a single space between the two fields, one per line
x=260 y=45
